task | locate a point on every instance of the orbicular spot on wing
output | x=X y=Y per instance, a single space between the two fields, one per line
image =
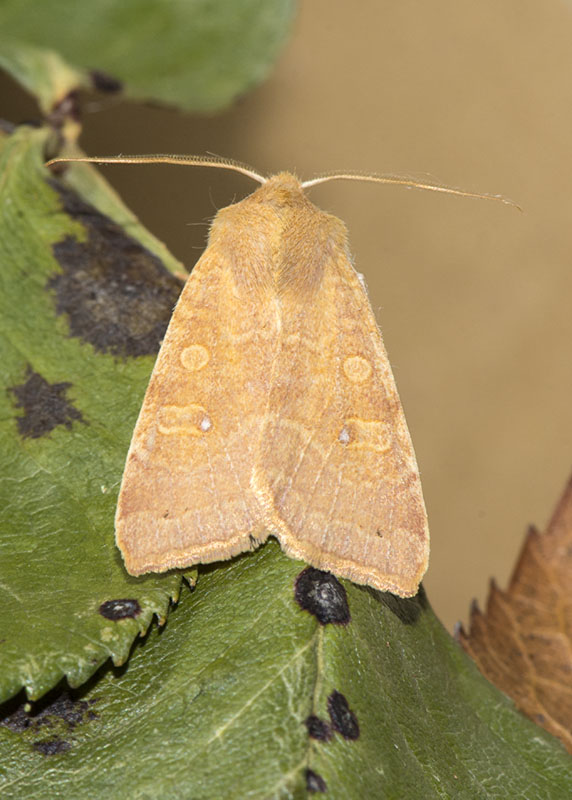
x=357 y=369
x=369 y=434
x=194 y=357
x=189 y=420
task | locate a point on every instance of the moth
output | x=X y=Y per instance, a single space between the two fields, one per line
x=272 y=408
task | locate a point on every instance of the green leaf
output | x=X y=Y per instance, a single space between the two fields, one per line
x=76 y=351
x=198 y=54
x=220 y=703
x=215 y=706
x=42 y=73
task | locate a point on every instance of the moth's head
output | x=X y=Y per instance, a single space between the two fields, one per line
x=283 y=189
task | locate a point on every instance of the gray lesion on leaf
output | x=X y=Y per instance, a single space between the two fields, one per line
x=116 y=294
x=45 y=406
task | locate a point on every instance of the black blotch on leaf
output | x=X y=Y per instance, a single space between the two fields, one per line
x=314 y=782
x=104 y=82
x=318 y=729
x=64 y=708
x=51 y=747
x=45 y=406
x=322 y=595
x=344 y=721
x=120 y=609
x=117 y=295
x=65 y=109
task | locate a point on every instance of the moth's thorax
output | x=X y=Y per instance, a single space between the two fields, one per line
x=277 y=238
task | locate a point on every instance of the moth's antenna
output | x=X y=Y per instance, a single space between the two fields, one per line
x=401 y=181
x=164 y=158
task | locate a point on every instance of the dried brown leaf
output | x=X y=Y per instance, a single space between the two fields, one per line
x=523 y=642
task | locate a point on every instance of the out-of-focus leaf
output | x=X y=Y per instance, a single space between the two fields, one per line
x=83 y=307
x=245 y=694
x=43 y=73
x=197 y=54
x=523 y=642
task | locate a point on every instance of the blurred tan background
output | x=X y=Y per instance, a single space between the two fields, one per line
x=473 y=298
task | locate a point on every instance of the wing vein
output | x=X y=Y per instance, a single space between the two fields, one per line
x=235 y=475
x=214 y=491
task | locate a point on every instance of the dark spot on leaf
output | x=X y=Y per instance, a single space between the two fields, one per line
x=120 y=609
x=19 y=720
x=63 y=708
x=104 y=82
x=322 y=595
x=344 y=721
x=65 y=109
x=318 y=729
x=51 y=747
x=314 y=782
x=117 y=295
x=45 y=406
x=69 y=710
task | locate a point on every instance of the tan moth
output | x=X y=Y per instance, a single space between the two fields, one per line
x=272 y=408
